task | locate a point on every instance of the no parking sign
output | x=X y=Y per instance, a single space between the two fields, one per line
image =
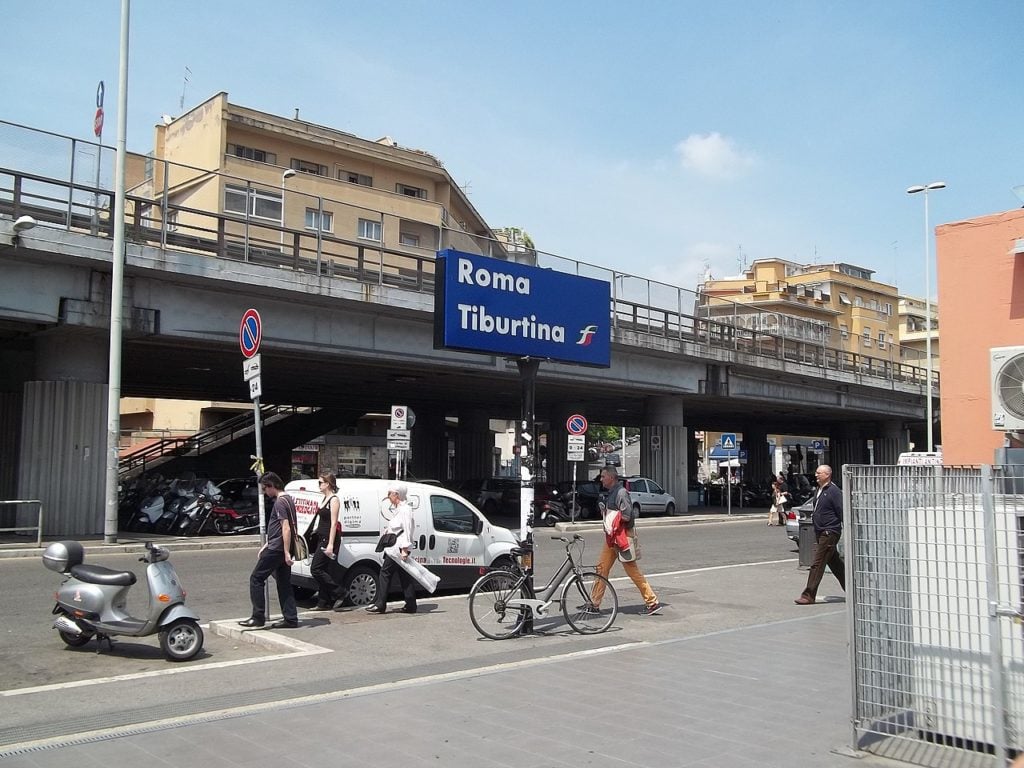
x=250 y=333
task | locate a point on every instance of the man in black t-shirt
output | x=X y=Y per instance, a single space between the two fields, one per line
x=275 y=559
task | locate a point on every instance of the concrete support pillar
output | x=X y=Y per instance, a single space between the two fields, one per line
x=429 y=444
x=759 y=465
x=559 y=469
x=64 y=433
x=474 y=445
x=890 y=441
x=663 y=446
x=846 y=446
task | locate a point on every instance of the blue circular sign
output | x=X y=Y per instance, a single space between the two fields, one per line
x=576 y=424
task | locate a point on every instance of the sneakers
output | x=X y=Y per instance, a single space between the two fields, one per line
x=588 y=610
x=653 y=610
x=373 y=609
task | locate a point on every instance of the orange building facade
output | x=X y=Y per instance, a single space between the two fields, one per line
x=980 y=266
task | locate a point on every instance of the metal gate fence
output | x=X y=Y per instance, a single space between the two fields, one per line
x=934 y=573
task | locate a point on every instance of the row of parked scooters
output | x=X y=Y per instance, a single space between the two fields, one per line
x=189 y=506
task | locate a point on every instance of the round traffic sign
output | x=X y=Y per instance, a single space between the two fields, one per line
x=97 y=123
x=250 y=333
x=576 y=424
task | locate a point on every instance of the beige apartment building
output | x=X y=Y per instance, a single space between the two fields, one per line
x=913 y=325
x=287 y=191
x=839 y=305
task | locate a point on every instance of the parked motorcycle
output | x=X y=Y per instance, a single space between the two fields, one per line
x=552 y=512
x=92 y=601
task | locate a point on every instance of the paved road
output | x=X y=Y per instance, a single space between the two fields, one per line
x=353 y=650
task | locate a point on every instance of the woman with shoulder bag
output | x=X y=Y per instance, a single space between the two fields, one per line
x=325 y=569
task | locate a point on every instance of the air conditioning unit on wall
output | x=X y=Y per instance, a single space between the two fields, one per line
x=1007 y=388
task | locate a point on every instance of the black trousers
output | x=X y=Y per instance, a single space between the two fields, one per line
x=328 y=576
x=271 y=562
x=384 y=581
x=826 y=552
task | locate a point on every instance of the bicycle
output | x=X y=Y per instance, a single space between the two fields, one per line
x=502 y=599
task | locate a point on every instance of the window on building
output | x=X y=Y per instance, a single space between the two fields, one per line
x=881 y=339
x=407 y=238
x=306 y=166
x=353 y=460
x=317 y=219
x=866 y=336
x=858 y=301
x=843 y=298
x=355 y=178
x=254 y=202
x=409 y=191
x=369 y=230
x=251 y=153
x=888 y=309
x=172 y=221
x=844 y=330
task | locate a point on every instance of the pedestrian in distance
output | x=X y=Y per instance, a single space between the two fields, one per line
x=274 y=558
x=615 y=498
x=828 y=528
x=324 y=567
x=402 y=525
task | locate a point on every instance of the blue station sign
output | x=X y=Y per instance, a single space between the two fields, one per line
x=499 y=307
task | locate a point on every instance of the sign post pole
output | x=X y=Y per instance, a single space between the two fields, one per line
x=576 y=425
x=250 y=334
x=97 y=127
x=526 y=439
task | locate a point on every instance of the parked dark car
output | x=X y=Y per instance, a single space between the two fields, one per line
x=587 y=493
x=490 y=495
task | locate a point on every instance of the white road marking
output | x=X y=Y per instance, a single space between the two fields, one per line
x=299 y=649
x=251 y=709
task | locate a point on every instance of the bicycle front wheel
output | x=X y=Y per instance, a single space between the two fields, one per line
x=489 y=610
x=578 y=606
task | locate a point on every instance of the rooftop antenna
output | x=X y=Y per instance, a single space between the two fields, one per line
x=465 y=188
x=741 y=259
x=184 y=85
x=296 y=113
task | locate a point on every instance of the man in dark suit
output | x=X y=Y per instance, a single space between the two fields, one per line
x=828 y=527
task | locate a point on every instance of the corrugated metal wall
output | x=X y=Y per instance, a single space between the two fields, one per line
x=63 y=441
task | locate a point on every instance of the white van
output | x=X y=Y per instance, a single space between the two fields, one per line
x=452 y=539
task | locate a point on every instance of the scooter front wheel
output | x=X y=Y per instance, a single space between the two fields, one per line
x=181 y=640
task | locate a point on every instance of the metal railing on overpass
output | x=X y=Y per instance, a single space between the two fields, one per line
x=641 y=308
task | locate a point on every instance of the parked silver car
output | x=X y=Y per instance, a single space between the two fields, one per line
x=648 y=497
x=793 y=518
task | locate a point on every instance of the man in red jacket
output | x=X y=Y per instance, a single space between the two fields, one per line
x=616 y=497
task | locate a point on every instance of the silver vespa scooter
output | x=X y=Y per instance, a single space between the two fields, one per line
x=91 y=602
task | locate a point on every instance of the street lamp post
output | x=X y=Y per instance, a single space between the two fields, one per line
x=926 y=188
x=284 y=177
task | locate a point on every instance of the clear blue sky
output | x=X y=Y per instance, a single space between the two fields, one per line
x=649 y=137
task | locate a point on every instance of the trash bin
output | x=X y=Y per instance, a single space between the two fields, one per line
x=806 y=542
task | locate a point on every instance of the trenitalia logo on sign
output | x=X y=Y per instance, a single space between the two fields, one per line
x=488 y=305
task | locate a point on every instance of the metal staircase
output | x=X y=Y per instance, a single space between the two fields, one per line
x=151 y=456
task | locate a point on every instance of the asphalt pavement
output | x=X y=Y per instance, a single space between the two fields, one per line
x=731 y=674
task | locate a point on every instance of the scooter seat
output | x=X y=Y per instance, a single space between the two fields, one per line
x=97 y=574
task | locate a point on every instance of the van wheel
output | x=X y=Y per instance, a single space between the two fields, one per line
x=360 y=585
x=502 y=562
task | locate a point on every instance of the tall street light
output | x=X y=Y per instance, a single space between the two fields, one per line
x=926 y=188
x=284 y=177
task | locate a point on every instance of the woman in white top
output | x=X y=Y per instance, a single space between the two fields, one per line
x=402 y=525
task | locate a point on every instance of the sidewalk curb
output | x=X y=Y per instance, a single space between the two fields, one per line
x=663 y=522
x=263 y=638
